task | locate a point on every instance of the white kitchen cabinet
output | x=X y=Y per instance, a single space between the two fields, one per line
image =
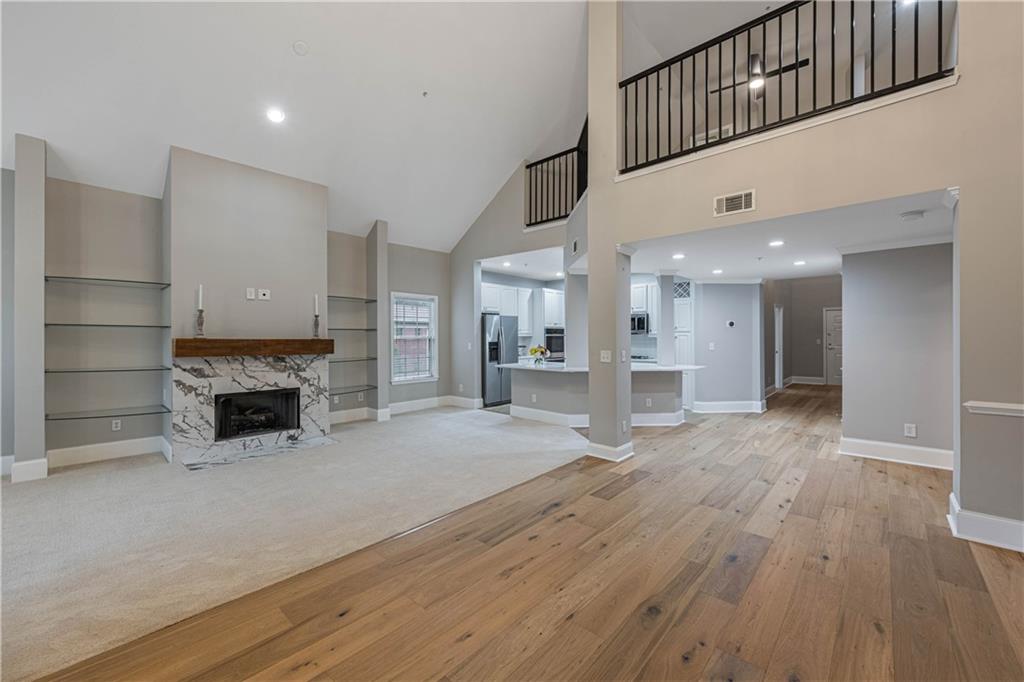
x=683 y=308
x=653 y=309
x=490 y=298
x=638 y=298
x=684 y=356
x=554 y=308
x=524 y=302
x=509 y=306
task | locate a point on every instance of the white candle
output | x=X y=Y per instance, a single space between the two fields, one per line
x=200 y=306
x=316 y=304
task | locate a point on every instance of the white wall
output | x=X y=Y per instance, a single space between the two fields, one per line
x=898 y=345
x=732 y=370
x=7 y=315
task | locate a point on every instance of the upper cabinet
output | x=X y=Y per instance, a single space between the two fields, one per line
x=490 y=298
x=653 y=309
x=638 y=298
x=554 y=308
x=524 y=302
x=508 y=296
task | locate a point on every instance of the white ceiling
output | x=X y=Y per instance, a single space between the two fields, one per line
x=543 y=264
x=111 y=86
x=818 y=238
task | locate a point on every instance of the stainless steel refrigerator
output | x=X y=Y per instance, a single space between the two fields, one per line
x=500 y=347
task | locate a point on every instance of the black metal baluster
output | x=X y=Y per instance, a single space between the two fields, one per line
x=780 y=68
x=749 y=124
x=796 y=65
x=734 y=126
x=917 y=11
x=872 y=45
x=764 y=73
x=834 y=51
x=718 y=78
x=693 y=101
x=657 y=116
x=893 y=29
x=647 y=119
x=853 y=21
x=938 y=61
x=814 y=49
x=668 y=112
x=636 y=123
x=707 y=99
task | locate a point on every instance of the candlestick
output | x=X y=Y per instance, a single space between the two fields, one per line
x=316 y=304
x=200 y=305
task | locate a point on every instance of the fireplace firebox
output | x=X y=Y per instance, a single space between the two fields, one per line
x=253 y=413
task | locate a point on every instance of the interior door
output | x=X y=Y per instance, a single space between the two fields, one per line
x=833 y=346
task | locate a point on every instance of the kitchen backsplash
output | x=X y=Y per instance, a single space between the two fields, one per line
x=643 y=345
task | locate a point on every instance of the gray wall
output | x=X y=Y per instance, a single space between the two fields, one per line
x=235 y=226
x=732 y=372
x=379 y=314
x=7 y=315
x=346 y=276
x=898 y=345
x=807 y=297
x=346 y=265
x=496 y=232
x=576 y=301
x=420 y=271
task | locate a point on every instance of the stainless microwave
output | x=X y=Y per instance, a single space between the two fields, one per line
x=639 y=323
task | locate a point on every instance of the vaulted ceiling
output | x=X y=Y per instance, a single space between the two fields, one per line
x=411 y=113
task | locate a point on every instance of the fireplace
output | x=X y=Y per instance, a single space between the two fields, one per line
x=255 y=412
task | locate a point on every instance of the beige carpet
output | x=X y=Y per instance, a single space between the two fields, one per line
x=96 y=555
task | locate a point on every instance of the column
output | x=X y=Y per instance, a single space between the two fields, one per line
x=666 y=318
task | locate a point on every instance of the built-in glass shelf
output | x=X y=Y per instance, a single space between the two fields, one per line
x=96 y=324
x=113 y=412
x=88 y=370
x=366 y=359
x=100 y=281
x=357 y=388
x=352 y=299
x=351 y=329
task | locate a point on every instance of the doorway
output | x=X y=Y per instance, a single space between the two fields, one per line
x=779 y=356
x=833 y=334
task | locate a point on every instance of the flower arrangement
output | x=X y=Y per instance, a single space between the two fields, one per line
x=539 y=354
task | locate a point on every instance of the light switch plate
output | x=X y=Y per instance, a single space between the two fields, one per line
x=648 y=402
x=910 y=430
x=359 y=397
x=250 y=294
x=533 y=397
x=115 y=424
x=263 y=294
x=711 y=345
x=606 y=356
x=622 y=355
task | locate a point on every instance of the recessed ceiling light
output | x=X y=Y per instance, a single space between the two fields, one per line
x=678 y=256
x=799 y=262
x=777 y=242
x=559 y=274
x=506 y=264
x=275 y=115
x=716 y=272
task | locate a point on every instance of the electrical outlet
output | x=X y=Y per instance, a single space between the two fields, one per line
x=649 y=402
x=250 y=294
x=533 y=397
x=623 y=425
x=910 y=430
x=711 y=345
x=359 y=397
x=606 y=356
x=460 y=388
x=115 y=424
x=263 y=294
x=336 y=399
x=622 y=355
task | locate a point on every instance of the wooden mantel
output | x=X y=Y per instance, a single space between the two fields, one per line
x=207 y=347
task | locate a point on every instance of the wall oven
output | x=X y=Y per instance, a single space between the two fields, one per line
x=554 y=341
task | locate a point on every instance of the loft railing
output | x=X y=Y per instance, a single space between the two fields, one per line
x=555 y=183
x=801 y=60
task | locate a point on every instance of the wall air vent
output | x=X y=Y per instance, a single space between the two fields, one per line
x=734 y=203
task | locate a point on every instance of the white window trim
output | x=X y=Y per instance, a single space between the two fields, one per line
x=434 y=374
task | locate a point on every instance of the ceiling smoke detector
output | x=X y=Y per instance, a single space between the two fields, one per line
x=300 y=48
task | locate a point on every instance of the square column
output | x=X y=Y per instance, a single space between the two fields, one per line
x=666 y=318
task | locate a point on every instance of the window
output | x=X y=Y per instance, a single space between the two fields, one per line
x=413 y=338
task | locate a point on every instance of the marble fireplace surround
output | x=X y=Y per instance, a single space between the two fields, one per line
x=204 y=368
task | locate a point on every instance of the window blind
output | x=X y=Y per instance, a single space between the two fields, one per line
x=413 y=337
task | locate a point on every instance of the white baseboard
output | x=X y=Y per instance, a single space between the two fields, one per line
x=381 y=415
x=414 y=405
x=619 y=454
x=814 y=381
x=548 y=417
x=98 y=452
x=769 y=391
x=167 y=449
x=985 y=528
x=346 y=416
x=29 y=470
x=460 y=401
x=5 y=465
x=787 y=381
x=658 y=418
x=755 y=406
x=900 y=453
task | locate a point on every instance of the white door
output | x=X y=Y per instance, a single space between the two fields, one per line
x=683 y=320
x=490 y=297
x=524 y=301
x=833 y=346
x=684 y=356
x=779 y=356
x=508 y=301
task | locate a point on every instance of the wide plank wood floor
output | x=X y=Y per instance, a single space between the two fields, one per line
x=730 y=548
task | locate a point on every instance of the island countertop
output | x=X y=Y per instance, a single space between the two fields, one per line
x=559 y=368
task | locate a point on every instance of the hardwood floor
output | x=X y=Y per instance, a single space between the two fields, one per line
x=730 y=548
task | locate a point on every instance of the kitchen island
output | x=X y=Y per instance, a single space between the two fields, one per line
x=556 y=394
